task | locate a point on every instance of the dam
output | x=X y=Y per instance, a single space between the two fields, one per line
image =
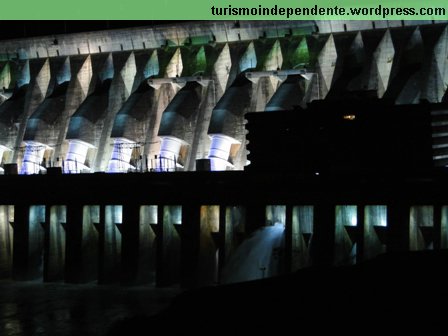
x=126 y=156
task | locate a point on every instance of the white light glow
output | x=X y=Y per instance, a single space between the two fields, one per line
x=349 y=117
x=32 y=159
x=354 y=220
x=2 y=150
x=169 y=153
x=220 y=152
x=76 y=157
x=121 y=156
x=118 y=214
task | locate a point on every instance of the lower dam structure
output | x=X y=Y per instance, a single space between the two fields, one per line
x=216 y=152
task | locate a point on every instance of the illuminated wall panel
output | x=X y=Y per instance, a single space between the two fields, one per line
x=345 y=235
x=421 y=228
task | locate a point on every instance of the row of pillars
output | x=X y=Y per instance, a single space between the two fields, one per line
x=189 y=245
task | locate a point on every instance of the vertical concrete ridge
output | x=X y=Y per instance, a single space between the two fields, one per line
x=175 y=66
x=274 y=59
x=221 y=70
x=441 y=64
x=384 y=57
x=327 y=59
x=40 y=76
x=249 y=58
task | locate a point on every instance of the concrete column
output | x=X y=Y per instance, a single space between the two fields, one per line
x=6 y=240
x=346 y=232
x=421 y=228
x=192 y=272
x=119 y=91
x=40 y=79
x=326 y=66
x=223 y=209
x=398 y=227
x=232 y=229
x=360 y=213
x=169 y=245
x=54 y=243
x=146 y=272
x=301 y=236
x=28 y=242
x=76 y=93
x=375 y=231
x=383 y=58
x=109 y=253
x=437 y=218
x=444 y=228
x=81 y=258
x=209 y=244
x=130 y=246
x=323 y=245
x=438 y=71
x=288 y=238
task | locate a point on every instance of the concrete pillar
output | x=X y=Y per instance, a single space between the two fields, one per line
x=346 y=232
x=301 y=236
x=191 y=235
x=28 y=242
x=322 y=249
x=5 y=76
x=438 y=72
x=421 y=228
x=6 y=240
x=119 y=91
x=360 y=213
x=375 y=231
x=288 y=239
x=437 y=220
x=169 y=245
x=232 y=230
x=54 y=243
x=40 y=78
x=130 y=243
x=81 y=258
x=147 y=244
x=383 y=60
x=109 y=253
x=326 y=65
x=398 y=227
x=77 y=91
x=209 y=244
x=444 y=227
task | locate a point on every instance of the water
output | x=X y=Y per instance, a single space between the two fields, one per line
x=35 y=308
x=257 y=257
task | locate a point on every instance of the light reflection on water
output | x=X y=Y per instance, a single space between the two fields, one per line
x=34 y=308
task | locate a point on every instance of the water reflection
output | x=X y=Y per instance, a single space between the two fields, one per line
x=34 y=308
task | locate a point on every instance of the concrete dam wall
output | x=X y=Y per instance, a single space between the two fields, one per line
x=159 y=99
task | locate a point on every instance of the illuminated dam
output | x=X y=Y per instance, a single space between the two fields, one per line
x=167 y=108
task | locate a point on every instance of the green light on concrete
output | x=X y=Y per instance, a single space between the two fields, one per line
x=201 y=61
x=301 y=55
x=5 y=76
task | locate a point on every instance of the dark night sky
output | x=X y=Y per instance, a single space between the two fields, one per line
x=20 y=29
